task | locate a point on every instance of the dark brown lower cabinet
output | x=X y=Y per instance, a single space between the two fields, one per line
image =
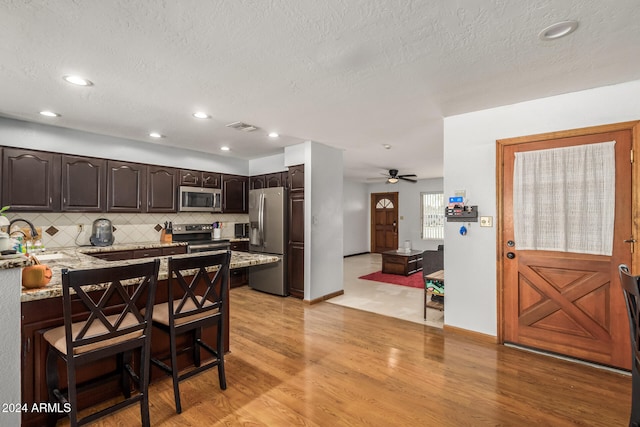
x=40 y=315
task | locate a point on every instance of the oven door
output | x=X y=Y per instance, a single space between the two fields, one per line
x=209 y=246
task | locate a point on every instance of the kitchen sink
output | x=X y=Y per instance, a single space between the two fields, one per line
x=49 y=256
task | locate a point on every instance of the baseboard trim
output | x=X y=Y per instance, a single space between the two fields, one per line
x=471 y=334
x=361 y=253
x=324 y=298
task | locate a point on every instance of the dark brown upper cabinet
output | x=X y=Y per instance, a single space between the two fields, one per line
x=83 y=184
x=200 y=179
x=270 y=180
x=257 y=182
x=30 y=180
x=275 y=179
x=126 y=185
x=161 y=189
x=296 y=178
x=211 y=180
x=235 y=193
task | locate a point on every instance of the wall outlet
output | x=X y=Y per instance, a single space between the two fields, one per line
x=486 y=221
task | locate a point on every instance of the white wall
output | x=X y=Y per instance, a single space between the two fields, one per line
x=409 y=210
x=469 y=164
x=355 y=209
x=10 y=280
x=268 y=164
x=323 y=221
x=15 y=133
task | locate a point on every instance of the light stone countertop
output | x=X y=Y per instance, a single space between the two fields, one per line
x=80 y=258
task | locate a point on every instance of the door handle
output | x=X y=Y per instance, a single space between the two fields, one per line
x=631 y=240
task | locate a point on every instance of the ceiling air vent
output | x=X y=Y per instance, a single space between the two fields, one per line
x=242 y=126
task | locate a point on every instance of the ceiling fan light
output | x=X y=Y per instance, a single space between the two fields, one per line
x=392 y=180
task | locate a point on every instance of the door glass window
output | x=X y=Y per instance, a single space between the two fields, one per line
x=564 y=199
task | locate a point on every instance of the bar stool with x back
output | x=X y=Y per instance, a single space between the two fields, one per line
x=200 y=302
x=113 y=326
x=630 y=286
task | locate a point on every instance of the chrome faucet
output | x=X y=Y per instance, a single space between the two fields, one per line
x=34 y=232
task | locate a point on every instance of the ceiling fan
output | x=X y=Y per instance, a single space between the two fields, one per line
x=393 y=177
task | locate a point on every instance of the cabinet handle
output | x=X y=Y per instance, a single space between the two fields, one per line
x=50 y=200
x=27 y=345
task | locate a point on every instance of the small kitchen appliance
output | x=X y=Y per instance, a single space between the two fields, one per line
x=241 y=230
x=102 y=233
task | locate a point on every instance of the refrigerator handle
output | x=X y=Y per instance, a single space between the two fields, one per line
x=261 y=219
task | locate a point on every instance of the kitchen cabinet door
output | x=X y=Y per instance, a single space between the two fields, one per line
x=211 y=180
x=84 y=186
x=190 y=178
x=235 y=193
x=30 y=180
x=274 y=180
x=162 y=189
x=296 y=178
x=126 y=187
x=257 y=182
x=295 y=261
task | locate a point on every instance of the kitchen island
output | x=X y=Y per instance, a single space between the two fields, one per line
x=42 y=310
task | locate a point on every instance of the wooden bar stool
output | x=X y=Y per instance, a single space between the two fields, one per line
x=202 y=304
x=630 y=286
x=113 y=326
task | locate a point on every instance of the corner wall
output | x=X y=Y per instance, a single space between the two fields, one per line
x=469 y=164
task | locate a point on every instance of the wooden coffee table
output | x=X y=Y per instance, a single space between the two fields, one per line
x=400 y=262
x=436 y=276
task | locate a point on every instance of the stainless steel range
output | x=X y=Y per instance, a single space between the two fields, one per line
x=199 y=238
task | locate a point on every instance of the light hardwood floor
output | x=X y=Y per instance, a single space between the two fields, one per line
x=292 y=364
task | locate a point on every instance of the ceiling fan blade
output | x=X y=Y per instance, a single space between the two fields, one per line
x=408 y=176
x=402 y=177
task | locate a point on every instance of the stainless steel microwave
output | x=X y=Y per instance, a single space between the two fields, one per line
x=198 y=199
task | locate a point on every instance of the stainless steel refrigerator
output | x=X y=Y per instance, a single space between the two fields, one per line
x=268 y=235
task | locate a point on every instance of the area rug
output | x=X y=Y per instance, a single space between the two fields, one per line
x=415 y=280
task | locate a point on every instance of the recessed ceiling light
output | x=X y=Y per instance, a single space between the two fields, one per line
x=49 y=113
x=156 y=135
x=77 y=80
x=201 y=115
x=557 y=30
x=386 y=146
x=225 y=148
x=273 y=134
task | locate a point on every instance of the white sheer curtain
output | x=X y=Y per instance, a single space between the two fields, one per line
x=563 y=199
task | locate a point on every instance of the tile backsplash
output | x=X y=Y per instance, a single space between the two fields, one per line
x=62 y=229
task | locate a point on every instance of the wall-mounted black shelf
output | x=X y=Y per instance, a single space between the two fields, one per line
x=462 y=214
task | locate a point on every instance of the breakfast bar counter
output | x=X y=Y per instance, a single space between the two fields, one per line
x=82 y=258
x=41 y=309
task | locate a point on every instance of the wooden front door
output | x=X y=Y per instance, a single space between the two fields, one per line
x=384 y=222
x=567 y=303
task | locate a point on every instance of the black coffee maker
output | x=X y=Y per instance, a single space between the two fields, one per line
x=102 y=233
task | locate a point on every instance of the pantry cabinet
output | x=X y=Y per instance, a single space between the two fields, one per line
x=295 y=262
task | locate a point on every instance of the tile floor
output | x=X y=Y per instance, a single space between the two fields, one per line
x=401 y=302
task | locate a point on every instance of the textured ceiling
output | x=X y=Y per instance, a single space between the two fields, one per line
x=352 y=74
